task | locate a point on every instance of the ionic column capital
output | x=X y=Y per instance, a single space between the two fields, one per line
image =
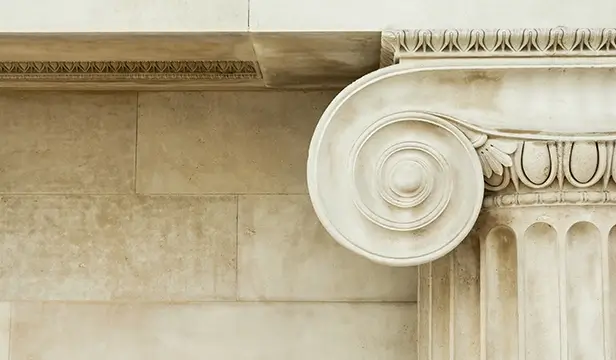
x=403 y=160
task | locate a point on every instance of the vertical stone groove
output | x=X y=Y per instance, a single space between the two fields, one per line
x=452 y=308
x=605 y=285
x=610 y=315
x=541 y=293
x=521 y=278
x=538 y=292
x=584 y=293
x=441 y=300
x=501 y=299
x=449 y=305
x=424 y=319
x=466 y=332
x=562 y=250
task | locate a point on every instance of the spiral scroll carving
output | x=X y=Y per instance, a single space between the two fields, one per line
x=407 y=188
x=412 y=190
x=409 y=185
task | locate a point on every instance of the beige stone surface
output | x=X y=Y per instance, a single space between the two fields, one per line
x=117 y=248
x=353 y=15
x=125 y=47
x=285 y=254
x=449 y=316
x=67 y=142
x=124 y=16
x=162 y=83
x=320 y=60
x=281 y=15
x=316 y=59
x=226 y=142
x=5 y=328
x=56 y=331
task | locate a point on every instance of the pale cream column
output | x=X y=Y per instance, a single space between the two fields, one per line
x=486 y=158
x=546 y=275
x=532 y=282
x=449 y=325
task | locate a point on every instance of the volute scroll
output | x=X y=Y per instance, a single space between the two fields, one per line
x=401 y=159
x=407 y=188
x=402 y=190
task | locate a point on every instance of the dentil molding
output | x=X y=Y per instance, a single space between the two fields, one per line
x=404 y=159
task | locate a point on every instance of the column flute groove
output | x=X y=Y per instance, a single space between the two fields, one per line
x=521 y=276
x=452 y=310
x=562 y=286
x=605 y=284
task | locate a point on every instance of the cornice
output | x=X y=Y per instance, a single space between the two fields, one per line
x=186 y=61
x=459 y=43
x=85 y=71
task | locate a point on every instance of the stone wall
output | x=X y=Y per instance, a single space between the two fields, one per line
x=177 y=226
x=293 y=15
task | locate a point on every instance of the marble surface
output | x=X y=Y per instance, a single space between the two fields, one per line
x=122 y=46
x=5 y=328
x=181 y=272
x=295 y=15
x=284 y=253
x=282 y=60
x=67 y=143
x=226 y=142
x=242 y=331
x=315 y=59
x=93 y=241
x=124 y=16
x=187 y=263
x=99 y=248
x=321 y=43
x=352 y=15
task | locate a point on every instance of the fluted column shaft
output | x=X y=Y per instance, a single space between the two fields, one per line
x=542 y=290
x=448 y=306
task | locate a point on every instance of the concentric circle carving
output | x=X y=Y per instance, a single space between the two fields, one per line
x=402 y=190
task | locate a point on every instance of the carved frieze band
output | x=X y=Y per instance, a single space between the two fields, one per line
x=540 y=164
x=128 y=70
x=527 y=172
x=493 y=43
